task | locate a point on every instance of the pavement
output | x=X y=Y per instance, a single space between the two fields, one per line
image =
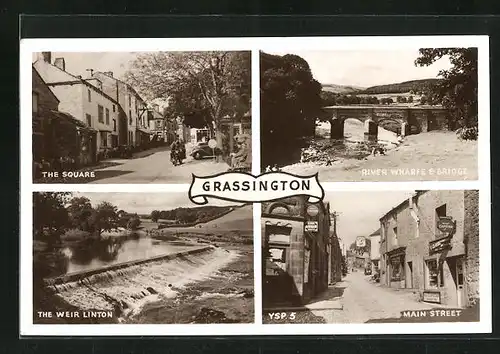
x=156 y=167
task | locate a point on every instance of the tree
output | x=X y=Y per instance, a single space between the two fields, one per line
x=80 y=211
x=50 y=217
x=202 y=87
x=290 y=104
x=134 y=222
x=457 y=90
x=410 y=99
x=155 y=215
x=105 y=217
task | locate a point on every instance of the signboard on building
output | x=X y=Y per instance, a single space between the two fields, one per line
x=311 y=226
x=360 y=242
x=439 y=245
x=432 y=296
x=446 y=224
x=312 y=210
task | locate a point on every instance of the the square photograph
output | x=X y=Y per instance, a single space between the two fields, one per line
x=140 y=258
x=383 y=114
x=140 y=117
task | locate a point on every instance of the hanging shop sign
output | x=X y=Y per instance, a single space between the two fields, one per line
x=446 y=224
x=439 y=245
x=360 y=242
x=312 y=210
x=311 y=226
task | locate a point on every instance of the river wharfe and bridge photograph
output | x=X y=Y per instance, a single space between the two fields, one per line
x=140 y=258
x=371 y=115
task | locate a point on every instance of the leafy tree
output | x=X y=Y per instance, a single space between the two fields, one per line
x=410 y=99
x=202 y=87
x=80 y=211
x=457 y=90
x=290 y=103
x=155 y=215
x=134 y=222
x=105 y=217
x=50 y=217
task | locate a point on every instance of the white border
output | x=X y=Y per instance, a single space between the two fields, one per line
x=28 y=46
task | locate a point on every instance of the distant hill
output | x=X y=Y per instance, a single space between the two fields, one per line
x=341 y=88
x=413 y=85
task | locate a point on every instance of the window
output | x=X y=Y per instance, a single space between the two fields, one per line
x=104 y=139
x=395 y=238
x=114 y=108
x=129 y=101
x=441 y=211
x=89 y=95
x=34 y=100
x=89 y=119
x=107 y=116
x=434 y=278
x=129 y=117
x=114 y=125
x=100 y=113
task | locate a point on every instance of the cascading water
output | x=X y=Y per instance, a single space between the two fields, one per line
x=126 y=290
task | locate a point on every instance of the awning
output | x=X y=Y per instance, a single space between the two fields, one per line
x=107 y=130
x=397 y=251
x=63 y=116
x=142 y=130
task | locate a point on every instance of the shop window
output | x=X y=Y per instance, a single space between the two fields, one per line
x=107 y=116
x=34 y=100
x=435 y=278
x=89 y=119
x=100 y=113
x=396 y=268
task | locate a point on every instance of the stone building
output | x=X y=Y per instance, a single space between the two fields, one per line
x=430 y=243
x=135 y=122
x=300 y=255
x=375 y=250
x=83 y=99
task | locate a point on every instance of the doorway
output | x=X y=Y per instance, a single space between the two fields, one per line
x=457 y=270
x=409 y=280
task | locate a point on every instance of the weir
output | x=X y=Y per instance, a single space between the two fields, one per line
x=119 y=269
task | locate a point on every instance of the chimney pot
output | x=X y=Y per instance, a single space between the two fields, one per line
x=109 y=73
x=47 y=56
x=60 y=63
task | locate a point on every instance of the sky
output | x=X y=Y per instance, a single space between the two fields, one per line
x=78 y=63
x=144 y=203
x=359 y=212
x=367 y=68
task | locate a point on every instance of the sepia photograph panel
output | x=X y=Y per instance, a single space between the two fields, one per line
x=372 y=257
x=140 y=117
x=371 y=115
x=140 y=258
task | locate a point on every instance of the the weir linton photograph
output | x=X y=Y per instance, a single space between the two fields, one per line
x=371 y=115
x=372 y=257
x=143 y=258
x=140 y=117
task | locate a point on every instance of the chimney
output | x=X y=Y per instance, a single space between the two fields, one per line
x=156 y=107
x=46 y=56
x=109 y=73
x=60 y=63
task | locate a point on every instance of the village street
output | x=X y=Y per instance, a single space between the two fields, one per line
x=157 y=168
x=357 y=299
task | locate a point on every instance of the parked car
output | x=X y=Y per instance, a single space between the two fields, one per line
x=202 y=150
x=368 y=271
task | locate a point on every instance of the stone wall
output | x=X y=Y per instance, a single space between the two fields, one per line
x=471 y=233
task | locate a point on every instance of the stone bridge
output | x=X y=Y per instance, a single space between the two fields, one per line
x=402 y=120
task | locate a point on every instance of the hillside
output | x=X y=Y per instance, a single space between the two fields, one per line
x=239 y=219
x=341 y=88
x=413 y=85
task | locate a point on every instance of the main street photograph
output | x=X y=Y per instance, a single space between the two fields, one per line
x=372 y=257
x=140 y=258
x=140 y=117
x=371 y=115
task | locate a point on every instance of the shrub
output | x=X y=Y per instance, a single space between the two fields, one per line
x=465 y=133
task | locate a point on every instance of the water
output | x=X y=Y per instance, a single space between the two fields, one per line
x=116 y=250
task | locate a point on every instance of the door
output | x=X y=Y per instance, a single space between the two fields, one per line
x=460 y=282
